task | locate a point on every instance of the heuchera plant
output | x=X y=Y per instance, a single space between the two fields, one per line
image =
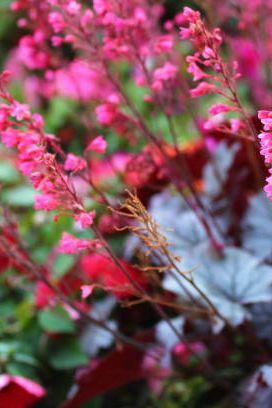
x=139 y=234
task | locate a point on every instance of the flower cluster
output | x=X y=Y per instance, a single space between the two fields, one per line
x=24 y=131
x=266 y=146
x=217 y=77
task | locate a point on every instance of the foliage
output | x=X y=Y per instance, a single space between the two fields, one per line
x=135 y=209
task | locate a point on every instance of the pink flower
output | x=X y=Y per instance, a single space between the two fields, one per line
x=268 y=187
x=220 y=108
x=185 y=33
x=236 y=124
x=183 y=352
x=266 y=137
x=74 y=163
x=73 y=7
x=84 y=219
x=194 y=70
x=266 y=146
x=98 y=145
x=166 y=72
x=266 y=119
x=10 y=137
x=202 y=89
x=37 y=121
x=191 y=15
x=99 y=6
x=87 y=290
x=163 y=74
x=72 y=245
x=81 y=82
x=46 y=202
x=20 y=111
x=87 y=18
x=4 y=116
x=164 y=44
x=106 y=113
x=56 y=21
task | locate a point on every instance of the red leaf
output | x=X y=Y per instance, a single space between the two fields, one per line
x=102 y=269
x=19 y=392
x=118 y=368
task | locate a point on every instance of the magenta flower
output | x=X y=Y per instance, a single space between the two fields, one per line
x=84 y=219
x=98 y=145
x=74 y=163
x=86 y=290
x=72 y=245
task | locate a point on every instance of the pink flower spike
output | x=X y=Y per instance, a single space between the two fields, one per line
x=86 y=290
x=72 y=245
x=98 y=145
x=84 y=219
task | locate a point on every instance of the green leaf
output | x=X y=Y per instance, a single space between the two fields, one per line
x=62 y=264
x=14 y=368
x=8 y=173
x=5 y=4
x=60 y=110
x=22 y=196
x=7 y=349
x=24 y=358
x=56 y=320
x=67 y=354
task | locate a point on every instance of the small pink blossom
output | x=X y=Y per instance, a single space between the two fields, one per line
x=236 y=124
x=183 y=353
x=99 y=6
x=73 y=8
x=74 y=163
x=191 y=15
x=166 y=72
x=10 y=137
x=164 y=44
x=46 y=202
x=98 y=145
x=220 y=108
x=268 y=187
x=106 y=113
x=85 y=219
x=163 y=74
x=86 y=290
x=37 y=121
x=202 y=89
x=87 y=18
x=72 y=245
x=20 y=111
x=266 y=146
x=194 y=70
x=185 y=33
x=57 y=22
x=266 y=119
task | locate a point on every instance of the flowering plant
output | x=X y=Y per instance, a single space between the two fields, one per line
x=136 y=217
